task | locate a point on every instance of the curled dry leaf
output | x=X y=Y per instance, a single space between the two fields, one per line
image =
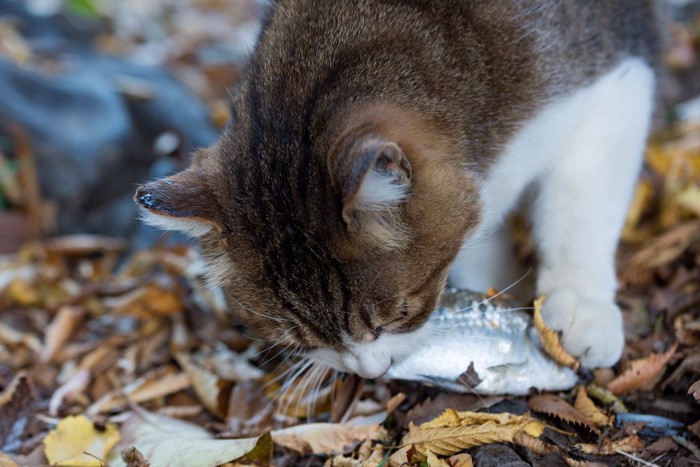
x=554 y=406
x=586 y=407
x=535 y=445
x=77 y=442
x=550 y=339
x=211 y=390
x=642 y=373
x=325 y=438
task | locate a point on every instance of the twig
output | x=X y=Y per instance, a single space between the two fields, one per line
x=636 y=459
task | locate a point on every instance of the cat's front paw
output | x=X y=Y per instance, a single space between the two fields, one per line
x=591 y=328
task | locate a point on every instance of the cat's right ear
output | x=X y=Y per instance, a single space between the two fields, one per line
x=374 y=176
x=180 y=202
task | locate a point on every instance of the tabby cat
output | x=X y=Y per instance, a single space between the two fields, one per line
x=375 y=147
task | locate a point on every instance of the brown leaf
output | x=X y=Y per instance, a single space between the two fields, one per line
x=61 y=329
x=535 y=445
x=133 y=458
x=694 y=390
x=461 y=460
x=550 y=339
x=16 y=406
x=211 y=390
x=642 y=373
x=589 y=410
x=556 y=407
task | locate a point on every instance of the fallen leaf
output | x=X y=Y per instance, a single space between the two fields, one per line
x=606 y=397
x=77 y=442
x=694 y=390
x=62 y=327
x=168 y=441
x=461 y=460
x=325 y=438
x=585 y=406
x=16 y=406
x=550 y=339
x=6 y=461
x=158 y=383
x=554 y=406
x=454 y=431
x=133 y=458
x=213 y=391
x=435 y=461
x=642 y=373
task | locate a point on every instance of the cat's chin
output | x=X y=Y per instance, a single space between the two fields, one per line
x=369 y=360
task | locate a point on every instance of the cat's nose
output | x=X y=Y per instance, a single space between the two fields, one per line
x=367 y=366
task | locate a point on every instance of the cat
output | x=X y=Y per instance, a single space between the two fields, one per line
x=376 y=146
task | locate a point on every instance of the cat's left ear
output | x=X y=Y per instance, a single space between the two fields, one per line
x=375 y=179
x=181 y=202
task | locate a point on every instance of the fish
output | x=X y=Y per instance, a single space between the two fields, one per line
x=480 y=345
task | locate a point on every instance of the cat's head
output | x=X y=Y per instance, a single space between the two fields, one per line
x=338 y=195
x=340 y=244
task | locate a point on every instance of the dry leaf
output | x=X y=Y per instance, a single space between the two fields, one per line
x=642 y=373
x=557 y=407
x=461 y=460
x=16 y=405
x=77 y=442
x=168 y=441
x=606 y=397
x=694 y=390
x=325 y=438
x=550 y=339
x=435 y=461
x=589 y=410
x=534 y=444
x=6 y=461
x=158 y=383
x=628 y=444
x=62 y=327
x=211 y=390
x=450 y=440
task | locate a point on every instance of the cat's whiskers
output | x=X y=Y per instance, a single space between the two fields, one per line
x=277 y=319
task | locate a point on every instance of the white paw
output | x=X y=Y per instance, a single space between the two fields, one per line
x=591 y=328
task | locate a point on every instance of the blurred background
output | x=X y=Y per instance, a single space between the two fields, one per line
x=97 y=96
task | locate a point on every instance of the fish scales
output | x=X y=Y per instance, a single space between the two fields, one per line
x=498 y=342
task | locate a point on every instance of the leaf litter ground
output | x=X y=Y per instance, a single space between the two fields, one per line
x=109 y=358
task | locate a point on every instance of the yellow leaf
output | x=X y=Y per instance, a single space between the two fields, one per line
x=76 y=442
x=451 y=417
x=435 y=461
x=589 y=410
x=451 y=440
x=690 y=199
x=550 y=339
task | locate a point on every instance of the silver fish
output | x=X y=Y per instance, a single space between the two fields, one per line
x=500 y=344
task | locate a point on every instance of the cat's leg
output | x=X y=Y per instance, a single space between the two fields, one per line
x=580 y=210
x=487 y=262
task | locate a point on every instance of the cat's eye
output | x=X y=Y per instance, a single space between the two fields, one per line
x=395 y=323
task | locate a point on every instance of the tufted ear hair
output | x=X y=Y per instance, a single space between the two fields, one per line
x=181 y=202
x=374 y=176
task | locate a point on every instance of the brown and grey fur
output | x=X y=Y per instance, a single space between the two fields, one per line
x=449 y=82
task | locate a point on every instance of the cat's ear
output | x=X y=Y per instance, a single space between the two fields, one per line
x=180 y=202
x=375 y=180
